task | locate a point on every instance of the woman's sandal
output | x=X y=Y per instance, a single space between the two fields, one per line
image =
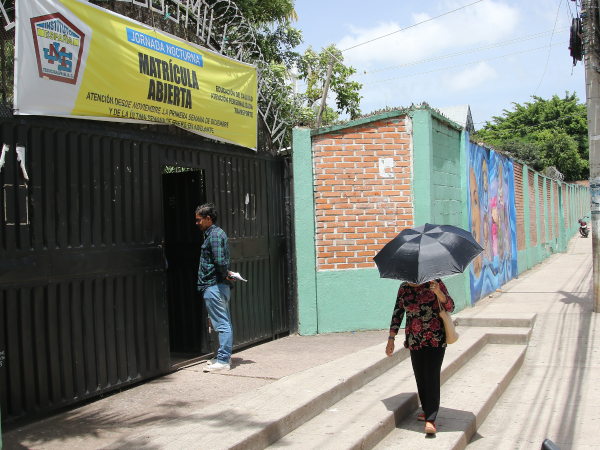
x=421 y=417
x=430 y=427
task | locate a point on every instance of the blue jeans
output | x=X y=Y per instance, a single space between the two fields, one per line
x=217 y=305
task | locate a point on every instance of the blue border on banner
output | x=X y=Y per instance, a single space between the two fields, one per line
x=163 y=47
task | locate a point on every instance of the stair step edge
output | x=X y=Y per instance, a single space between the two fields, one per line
x=446 y=440
x=382 y=422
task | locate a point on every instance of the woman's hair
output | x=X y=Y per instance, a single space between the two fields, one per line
x=208 y=210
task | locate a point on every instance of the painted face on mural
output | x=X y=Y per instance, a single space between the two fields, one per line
x=475 y=218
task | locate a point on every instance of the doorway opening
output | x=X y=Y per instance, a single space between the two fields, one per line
x=183 y=191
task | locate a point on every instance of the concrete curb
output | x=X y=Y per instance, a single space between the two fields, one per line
x=475 y=319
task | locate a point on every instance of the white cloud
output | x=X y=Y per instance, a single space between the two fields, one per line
x=469 y=77
x=484 y=23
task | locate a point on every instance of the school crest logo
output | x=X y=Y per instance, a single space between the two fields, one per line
x=58 y=47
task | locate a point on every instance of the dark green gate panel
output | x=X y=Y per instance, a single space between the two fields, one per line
x=83 y=285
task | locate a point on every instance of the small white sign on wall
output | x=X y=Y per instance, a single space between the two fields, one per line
x=386 y=164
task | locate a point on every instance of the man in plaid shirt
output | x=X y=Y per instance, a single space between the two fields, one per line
x=214 y=283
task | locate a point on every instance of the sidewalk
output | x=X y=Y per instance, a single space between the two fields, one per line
x=556 y=393
x=552 y=395
x=114 y=418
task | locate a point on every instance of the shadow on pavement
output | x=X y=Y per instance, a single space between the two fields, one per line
x=236 y=362
x=76 y=421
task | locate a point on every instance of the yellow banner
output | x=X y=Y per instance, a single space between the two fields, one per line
x=113 y=68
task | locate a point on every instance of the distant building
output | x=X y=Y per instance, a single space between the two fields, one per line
x=461 y=115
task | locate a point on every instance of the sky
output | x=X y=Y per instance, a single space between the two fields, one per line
x=486 y=79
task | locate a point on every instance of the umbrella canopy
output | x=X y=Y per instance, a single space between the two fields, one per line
x=427 y=252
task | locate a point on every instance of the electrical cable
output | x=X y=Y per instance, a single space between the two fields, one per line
x=466 y=64
x=569 y=12
x=464 y=52
x=550 y=49
x=491 y=46
x=419 y=23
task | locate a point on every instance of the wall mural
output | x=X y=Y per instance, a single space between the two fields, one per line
x=491 y=203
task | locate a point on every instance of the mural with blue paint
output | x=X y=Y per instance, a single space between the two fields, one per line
x=493 y=219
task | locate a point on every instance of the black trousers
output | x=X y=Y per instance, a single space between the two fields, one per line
x=427 y=366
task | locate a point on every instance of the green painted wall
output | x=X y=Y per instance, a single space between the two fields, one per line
x=353 y=300
x=522 y=261
x=421 y=187
x=552 y=221
x=349 y=300
x=446 y=181
x=525 y=264
x=439 y=153
x=304 y=223
x=533 y=255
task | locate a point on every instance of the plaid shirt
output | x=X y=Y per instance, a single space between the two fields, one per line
x=214 y=259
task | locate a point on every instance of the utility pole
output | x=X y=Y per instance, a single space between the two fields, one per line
x=591 y=41
x=325 y=89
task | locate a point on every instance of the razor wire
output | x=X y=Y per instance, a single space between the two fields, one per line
x=553 y=172
x=217 y=25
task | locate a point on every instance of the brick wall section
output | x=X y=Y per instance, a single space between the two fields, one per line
x=357 y=210
x=532 y=207
x=520 y=206
x=542 y=210
x=447 y=204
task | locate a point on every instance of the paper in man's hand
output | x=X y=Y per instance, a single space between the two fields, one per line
x=236 y=276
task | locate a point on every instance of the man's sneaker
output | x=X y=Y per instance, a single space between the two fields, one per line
x=217 y=367
x=213 y=361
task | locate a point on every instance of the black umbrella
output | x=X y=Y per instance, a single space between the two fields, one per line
x=427 y=252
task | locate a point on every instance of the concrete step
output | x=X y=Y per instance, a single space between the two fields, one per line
x=362 y=419
x=474 y=317
x=260 y=417
x=467 y=398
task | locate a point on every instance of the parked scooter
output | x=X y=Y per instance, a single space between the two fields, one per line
x=584 y=230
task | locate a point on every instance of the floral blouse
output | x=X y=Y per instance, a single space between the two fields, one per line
x=424 y=327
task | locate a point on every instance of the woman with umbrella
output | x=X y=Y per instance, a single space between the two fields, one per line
x=426 y=339
x=420 y=257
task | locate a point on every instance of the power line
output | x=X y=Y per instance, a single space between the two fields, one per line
x=466 y=64
x=465 y=52
x=569 y=12
x=428 y=20
x=550 y=49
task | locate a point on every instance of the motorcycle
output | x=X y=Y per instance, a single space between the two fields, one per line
x=584 y=230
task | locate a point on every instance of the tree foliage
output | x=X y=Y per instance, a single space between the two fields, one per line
x=278 y=45
x=544 y=133
x=313 y=69
x=264 y=12
x=278 y=41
